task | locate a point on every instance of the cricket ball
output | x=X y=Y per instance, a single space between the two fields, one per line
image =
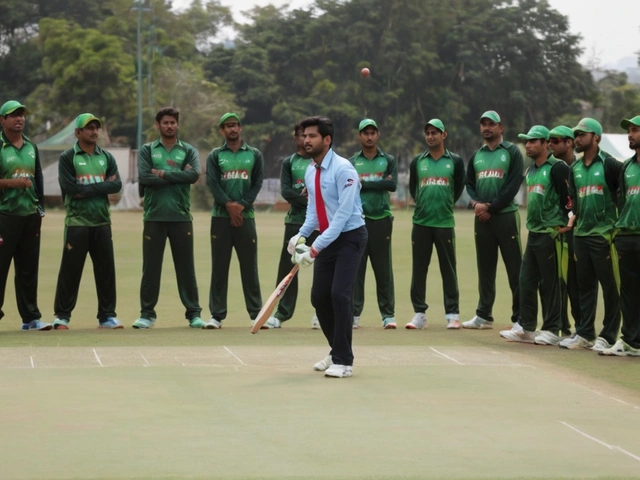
x=365 y=72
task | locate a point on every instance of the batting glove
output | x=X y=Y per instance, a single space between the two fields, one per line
x=303 y=256
x=294 y=242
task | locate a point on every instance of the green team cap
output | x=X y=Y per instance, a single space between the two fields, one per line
x=561 y=132
x=10 y=107
x=227 y=116
x=367 y=122
x=84 y=119
x=626 y=123
x=491 y=115
x=436 y=123
x=535 y=132
x=588 y=125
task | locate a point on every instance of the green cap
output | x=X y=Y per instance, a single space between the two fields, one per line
x=227 y=116
x=535 y=132
x=626 y=123
x=491 y=115
x=588 y=125
x=84 y=119
x=436 y=123
x=10 y=107
x=561 y=132
x=367 y=122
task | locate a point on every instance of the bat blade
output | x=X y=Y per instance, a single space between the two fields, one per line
x=270 y=305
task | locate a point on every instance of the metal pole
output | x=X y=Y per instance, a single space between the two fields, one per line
x=139 y=140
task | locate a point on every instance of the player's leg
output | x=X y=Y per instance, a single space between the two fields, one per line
x=26 y=264
x=358 y=287
x=421 y=250
x=487 y=263
x=10 y=234
x=104 y=271
x=181 y=243
x=154 y=240
x=245 y=240
x=287 y=304
x=323 y=273
x=628 y=247
x=529 y=281
x=507 y=229
x=379 y=245
x=588 y=287
x=572 y=282
x=221 y=248
x=445 y=242
x=548 y=259
x=74 y=254
x=605 y=263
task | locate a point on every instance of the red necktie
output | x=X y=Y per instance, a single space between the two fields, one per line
x=323 y=221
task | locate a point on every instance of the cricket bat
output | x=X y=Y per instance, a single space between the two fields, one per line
x=270 y=305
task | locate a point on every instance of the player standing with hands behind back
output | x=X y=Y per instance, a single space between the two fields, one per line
x=335 y=210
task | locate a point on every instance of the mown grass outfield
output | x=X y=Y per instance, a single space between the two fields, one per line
x=173 y=402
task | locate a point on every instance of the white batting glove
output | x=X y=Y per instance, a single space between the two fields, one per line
x=305 y=255
x=295 y=241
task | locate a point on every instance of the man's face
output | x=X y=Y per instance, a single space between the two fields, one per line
x=369 y=137
x=560 y=146
x=299 y=138
x=535 y=148
x=231 y=130
x=433 y=136
x=490 y=130
x=314 y=143
x=89 y=134
x=14 y=122
x=584 y=141
x=634 y=137
x=168 y=126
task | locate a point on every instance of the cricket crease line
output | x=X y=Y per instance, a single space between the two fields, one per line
x=33 y=365
x=614 y=399
x=234 y=356
x=604 y=444
x=97 y=357
x=146 y=362
x=446 y=356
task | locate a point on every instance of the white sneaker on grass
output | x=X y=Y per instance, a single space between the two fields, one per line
x=273 y=322
x=212 y=324
x=545 y=337
x=389 y=323
x=621 y=349
x=515 y=328
x=478 y=323
x=418 y=322
x=453 y=321
x=315 y=323
x=600 y=345
x=522 y=337
x=339 y=371
x=323 y=364
x=574 y=343
x=356 y=323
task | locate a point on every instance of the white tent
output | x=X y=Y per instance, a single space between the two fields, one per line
x=617 y=144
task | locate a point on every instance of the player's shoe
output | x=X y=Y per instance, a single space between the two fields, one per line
x=600 y=345
x=516 y=328
x=144 y=323
x=418 y=322
x=621 y=349
x=389 y=323
x=273 y=322
x=60 y=324
x=575 y=343
x=212 y=324
x=356 y=323
x=339 y=371
x=36 y=325
x=196 y=322
x=315 y=323
x=323 y=364
x=453 y=324
x=522 y=337
x=478 y=323
x=546 y=337
x=111 y=322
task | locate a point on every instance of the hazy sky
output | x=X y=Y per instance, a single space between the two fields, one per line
x=610 y=29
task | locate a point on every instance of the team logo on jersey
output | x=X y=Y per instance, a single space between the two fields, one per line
x=170 y=163
x=494 y=173
x=503 y=157
x=236 y=175
x=629 y=175
x=590 y=190
x=544 y=173
x=156 y=155
x=448 y=166
x=11 y=158
x=579 y=175
x=82 y=163
x=32 y=154
x=537 y=188
x=101 y=162
x=438 y=181
x=633 y=191
x=597 y=174
x=371 y=177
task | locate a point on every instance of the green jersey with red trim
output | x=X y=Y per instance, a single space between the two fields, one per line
x=378 y=176
x=19 y=163
x=629 y=220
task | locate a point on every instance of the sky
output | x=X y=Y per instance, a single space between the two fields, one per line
x=610 y=29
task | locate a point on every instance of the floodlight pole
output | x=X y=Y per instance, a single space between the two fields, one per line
x=138 y=6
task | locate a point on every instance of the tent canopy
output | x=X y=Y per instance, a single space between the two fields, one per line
x=617 y=144
x=64 y=139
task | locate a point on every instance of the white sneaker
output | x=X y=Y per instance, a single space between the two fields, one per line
x=323 y=364
x=356 y=323
x=546 y=337
x=621 y=349
x=418 y=322
x=212 y=324
x=575 y=343
x=522 y=337
x=273 y=322
x=315 y=323
x=515 y=328
x=453 y=321
x=389 y=323
x=478 y=323
x=600 y=345
x=339 y=371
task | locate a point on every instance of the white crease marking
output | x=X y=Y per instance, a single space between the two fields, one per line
x=604 y=444
x=234 y=355
x=446 y=356
x=97 y=357
x=33 y=365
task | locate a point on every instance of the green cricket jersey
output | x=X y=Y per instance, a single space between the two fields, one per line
x=16 y=163
x=84 y=185
x=547 y=201
x=629 y=201
x=235 y=177
x=494 y=176
x=435 y=186
x=593 y=191
x=167 y=199
x=373 y=174
x=291 y=186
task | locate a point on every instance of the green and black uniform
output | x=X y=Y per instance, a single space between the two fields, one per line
x=167 y=214
x=541 y=264
x=628 y=246
x=85 y=189
x=593 y=191
x=291 y=187
x=376 y=206
x=234 y=177
x=494 y=177
x=435 y=186
x=20 y=220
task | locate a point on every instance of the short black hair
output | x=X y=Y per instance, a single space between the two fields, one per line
x=170 y=111
x=298 y=128
x=325 y=126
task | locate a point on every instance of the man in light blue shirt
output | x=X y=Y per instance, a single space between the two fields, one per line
x=335 y=209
